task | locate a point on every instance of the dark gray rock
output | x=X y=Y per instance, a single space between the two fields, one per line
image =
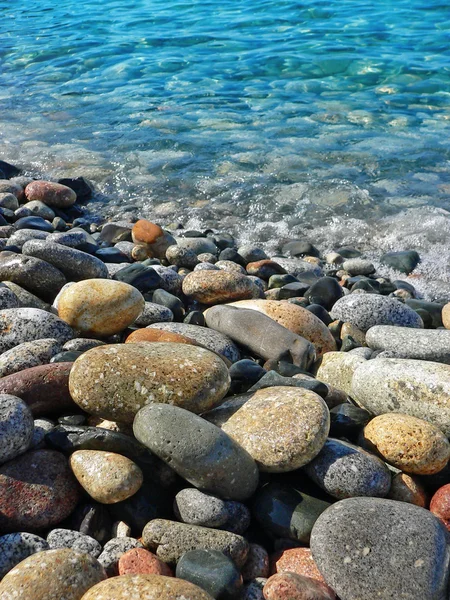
x=25 y=298
x=370 y=548
x=8 y=298
x=27 y=355
x=34 y=223
x=405 y=342
x=405 y=261
x=19 y=238
x=153 y=313
x=15 y=547
x=113 y=550
x=194 y=507
x=16 y=427
x=67 y=538
x=35 y=275
x=297 y=248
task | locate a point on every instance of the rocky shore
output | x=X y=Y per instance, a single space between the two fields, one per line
x=184 y=417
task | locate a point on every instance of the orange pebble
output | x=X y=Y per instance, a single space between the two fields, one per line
x=139 y=561
x=158 y=335
x=295 y=560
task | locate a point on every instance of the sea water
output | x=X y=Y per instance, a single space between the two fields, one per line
x=270 y=119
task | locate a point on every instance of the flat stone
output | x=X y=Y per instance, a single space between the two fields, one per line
x=413 y=387
x=358 y=266
x=212 y=571
x=197 y=450
x=79 y=542
x=52 y=194
x=281 y=428
x=198 y=245
x=37 y=490
x=146 y=587
x=133 y=375
x=106 y=476
x=112 y=552
x=355 y=540
x=211 y=287
x=139 y=561
x=170 y=540
x=291 y=586
x=337 y=369
x=16 y=427
x=367 y=310
x=27 y=355
x=35 y=275
x=344 y=470
x=153 y=313
x=421 y=344
x=100 y=307
x=19 y=325
x=16 y=547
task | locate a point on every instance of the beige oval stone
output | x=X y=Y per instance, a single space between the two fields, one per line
x=212 y=287
x=446 y=316
x=281 y=428
x=410 y=444
x=337 y=369
x=106 y=476
x=115 y=381
x=297 y=319
x=146 y=587
x=100 y=307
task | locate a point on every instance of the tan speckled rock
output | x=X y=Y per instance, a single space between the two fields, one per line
x=100 y=307
x=52 y=575
x=405 y=488
x=337 y=369
x=409 y=444
x=446 y=316
x=297 y=319
x=358 y=335
x=211 y=287
x=106 y=476
x=115 y=381
x=146 y=587
x=281 y=428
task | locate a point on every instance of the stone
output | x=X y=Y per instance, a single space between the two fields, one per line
x=325 y=292
x=420 y=344
x=139 y=561
x=10 y=187
x=285 y=512
x=16 y=547
x=25 y=298
x=8 y=169
x=41 y=428
x=358 y=266
x=198 y=245
x=27 y=355
x=16 y=427
x=146 y=587
x=181 y=257
x=153 y=313
x=79 y=542
x=170 y=301
x=211 y=287
x=35 y=275
x=143 y=278
x=412 y=387
x=212 y=571
x=257 y=563
x=404 y=261
x=409 y=444
x=281 y=428
x=344 y=470
x=83 y=188
x=169 y=280
x=74 y=264
x=232 y=267
x=112 y=552
x=92 y=519
x=251 y=253
x=52 y=194
x=8 y=299
x=9 y=201
x=337 y=369
x=39 y=209
x=405 y=488
x=106 y=476
x=116 y=232
x=20 y=236
x=354 y=541
x=290 y=586
x=133 y=375
x=295 y=560
x=19 y=325
x=264 y=269
x=301 y=247
x=170 y=540
x=153 y=237
x=252 y=329
x=197 y=450
x=440 y=505
x=245 y=373
x=194 y=507
x=37 y=490
x=446 y=316
x=121 y=529
x=159 y=335
x=81 y=344
x=52 y=574
x=347 y=420
x=45 y=389
x=367 y=310
x=253 y=590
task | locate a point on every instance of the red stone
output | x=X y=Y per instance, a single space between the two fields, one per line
x=139 y=561
x=440 y=505
x=296 y=560
x=52 y=194
x=145 y=232
x=290 y=586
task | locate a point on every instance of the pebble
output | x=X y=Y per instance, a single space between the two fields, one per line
x=254 y=589
x=35 y=275
x=52 y=194
x=19 y=325
x=440 y=505
x=194 y=507
x=121 y=529
x=405 y=488
x=39 y=209
x=16 y=547
x=257 y=563
x=291 y=586
x=198 y=245
x=79 y=542
x=81 y=344
x=170 y=540
x=355 y=540
x=421 y=344
x=146 y=587
x=296 y=560
x=182 y=257
x=27 y=355
x=41 y=428
x=134 y=374
x=33 y=222
x=153 y=237
x=367 y=310
x=358 y=266
x=25 y=298
x=92 y=519
x=344 y=470
x=325 y=292
x=112 y=552
x=197 y=450
x=159 y=335
x=412 y=387
x=347 y=420
x=337 y=369
x=100 y=307
x=405 y=261
x=139 y=561
x=20 y=236
x=143 y=278
x=37 y=490
x=8 y=299
x=9 y=187
x=153 y=313
x=106 y=476
x=211 y=287
x=169 y=280
x=16 y=427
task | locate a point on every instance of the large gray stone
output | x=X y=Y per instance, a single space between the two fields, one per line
x=35 y=275
x=369 y=548
x=27 y=355
x=405 y=342
x=16 y=427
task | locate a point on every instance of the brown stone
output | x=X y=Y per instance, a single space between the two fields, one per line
x=158 y=335
x=212 y=287
x=52 y=194
x=145 y=232
x=290 y=586
x=440 y=505
x=264 y=269
x=405 y=488
x=295 y=560
x=139 y=561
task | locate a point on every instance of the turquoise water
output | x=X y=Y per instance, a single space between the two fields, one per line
x=270 y=116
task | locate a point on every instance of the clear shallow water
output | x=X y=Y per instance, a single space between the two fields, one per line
x=270 y=116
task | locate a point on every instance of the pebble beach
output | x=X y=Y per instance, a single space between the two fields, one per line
x=184 y=416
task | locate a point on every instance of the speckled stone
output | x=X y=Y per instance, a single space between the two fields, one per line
x=79 y=542
x=210 y=287
x=25 y=299
x=41 y=428
x=412 y=387
x=139 y=561
x=8 y=299
x=295 y=560
x=37 y=490
x=16 y=427
x=159 y=335
x=281 y=428
x=344 y=470
x=27 y=355
x=257 y=563
x=146 y=587
x=253 y=590
x=198 y=245
x=337 y=369
x=405 y=488
x=209 y=338
x=81 y=344
x=106 y=476
x=121 y=529
x=35 y=275
x=170 y=280
x=19 y=325
x=16 y=547
x=133 y=375
x=194 y=507
x=153 y=313
x=239 y=517
x=421 y=344
x=52 y=194
x=181 y=257
x=409 y=444
x=291 y=586
x=100 y=307
x=355 y=540
x=20 y=236
x=38 y=208
x=170 y=540
x=112 y=552
x=212 y=571
x=367 y=310
x=197 y=450
x=440 y=505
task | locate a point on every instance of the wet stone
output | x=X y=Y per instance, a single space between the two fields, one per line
x=52 y=194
